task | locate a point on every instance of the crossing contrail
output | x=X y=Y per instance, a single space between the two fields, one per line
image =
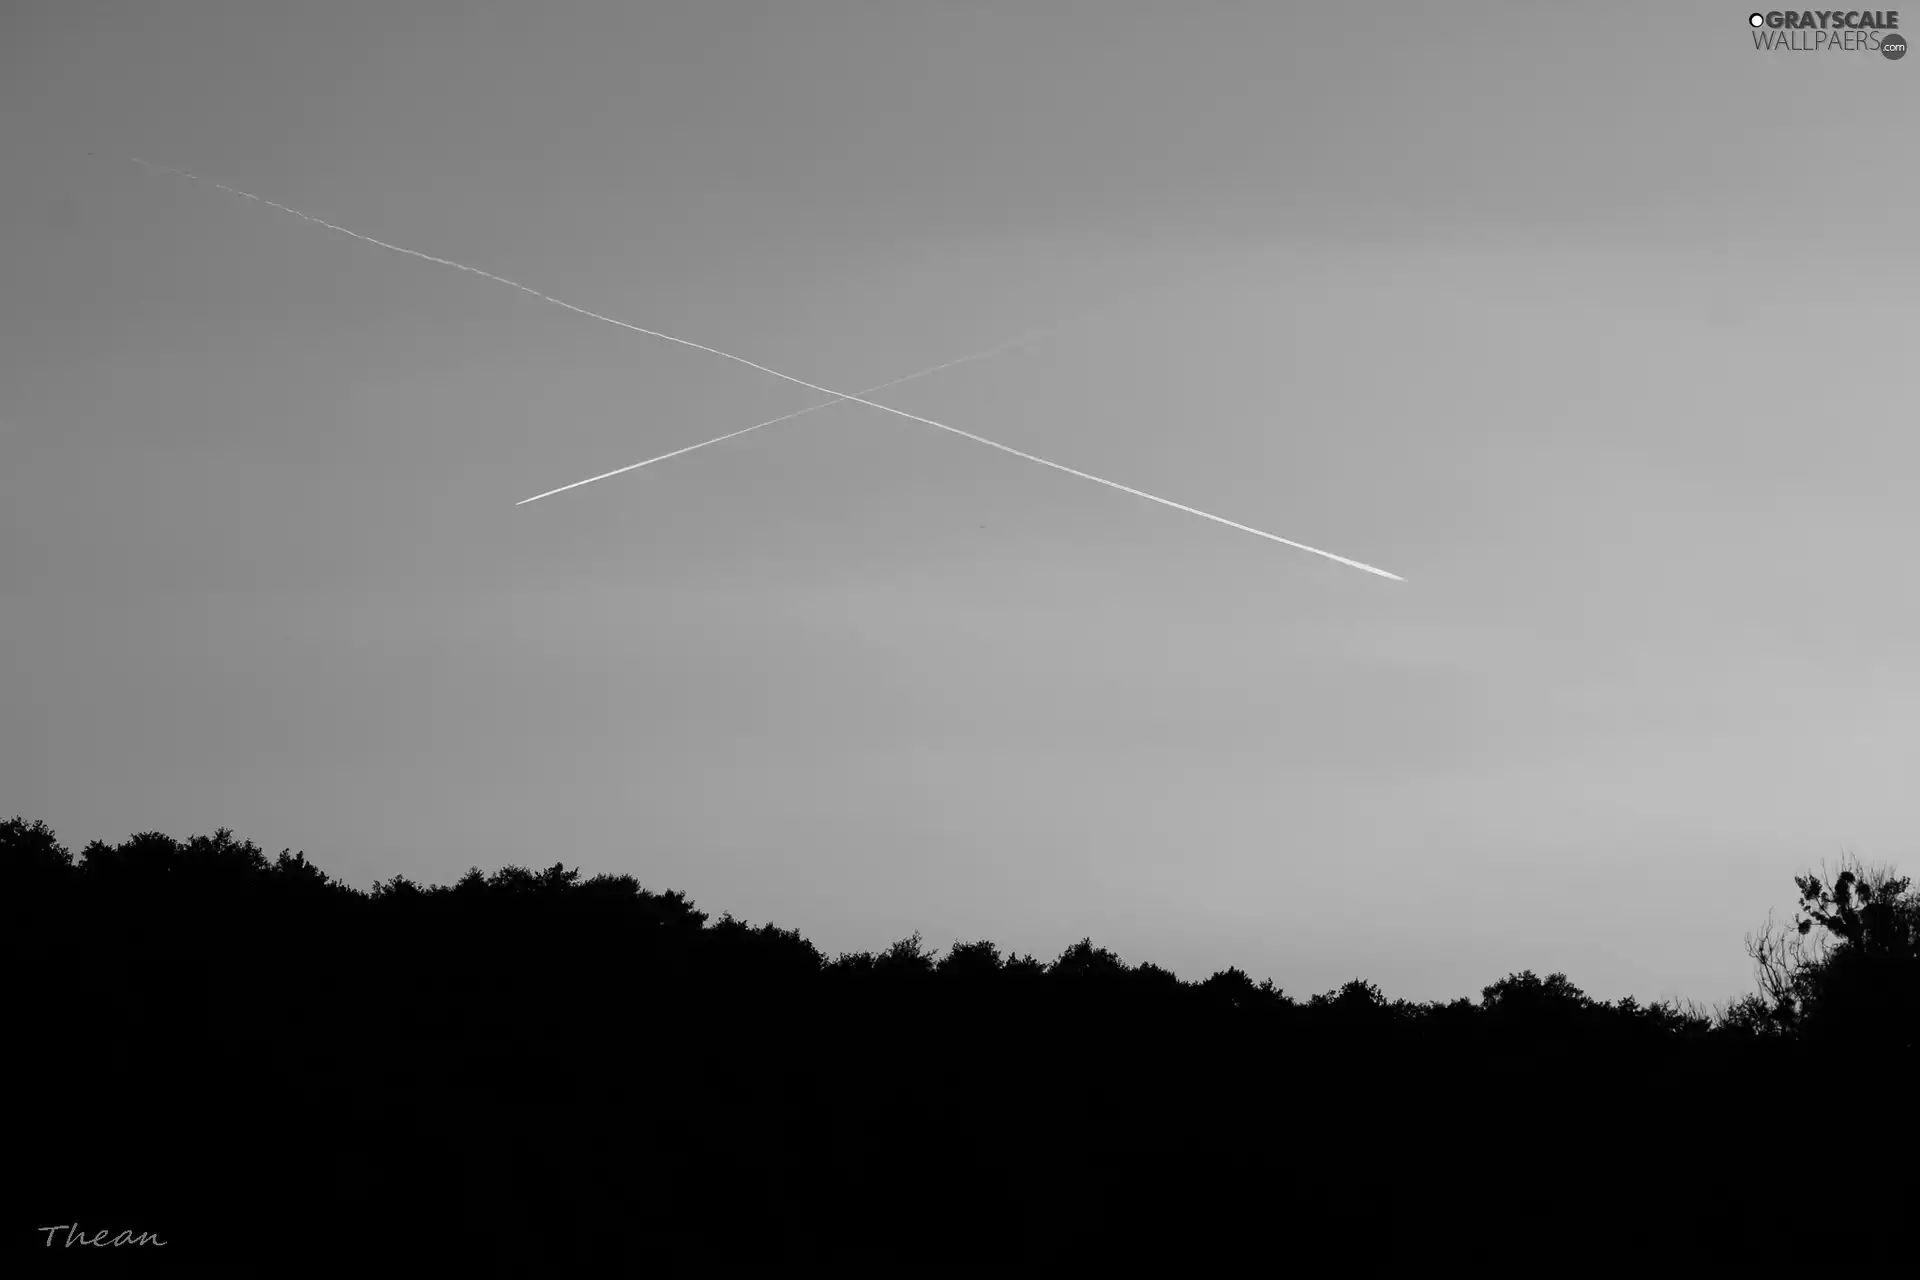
x=788 y=417
x=784 y=377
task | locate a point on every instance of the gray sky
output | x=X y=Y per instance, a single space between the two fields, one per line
x=1594 y=323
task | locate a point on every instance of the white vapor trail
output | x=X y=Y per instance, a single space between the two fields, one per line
x=785 y=377
x=788 y=417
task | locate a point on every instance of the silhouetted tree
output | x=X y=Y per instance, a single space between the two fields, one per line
x=1234 y=988
x=1084 y=960
x=970 y=959
x=31 y=848
x=910 y=955
x=1849 y=969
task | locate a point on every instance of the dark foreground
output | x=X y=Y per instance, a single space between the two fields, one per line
x=530 y=1074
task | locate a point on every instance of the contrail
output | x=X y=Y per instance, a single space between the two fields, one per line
x=788 y=417
x=784 y=377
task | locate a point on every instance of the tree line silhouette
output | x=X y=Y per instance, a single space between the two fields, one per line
x=528 y=1072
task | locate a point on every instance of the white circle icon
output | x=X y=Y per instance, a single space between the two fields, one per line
x=1756 y=19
